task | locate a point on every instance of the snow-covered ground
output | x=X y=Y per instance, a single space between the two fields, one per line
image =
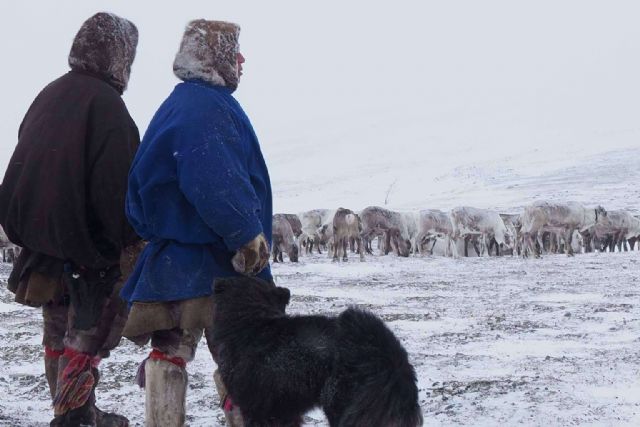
x=495 y=341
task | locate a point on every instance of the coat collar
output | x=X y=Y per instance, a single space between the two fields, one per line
x=219 y=88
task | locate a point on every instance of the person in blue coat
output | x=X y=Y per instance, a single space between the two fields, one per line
x=199 y=194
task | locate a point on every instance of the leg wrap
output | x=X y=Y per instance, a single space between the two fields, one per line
x=75 y=380
x=51 y=353
x=157 y=355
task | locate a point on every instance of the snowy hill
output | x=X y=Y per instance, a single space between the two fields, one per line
x=356 y=168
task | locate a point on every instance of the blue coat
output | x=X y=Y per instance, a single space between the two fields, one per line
x=198 y=190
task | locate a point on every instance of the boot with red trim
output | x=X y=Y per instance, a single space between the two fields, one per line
x=165 y=381
x=231 y=412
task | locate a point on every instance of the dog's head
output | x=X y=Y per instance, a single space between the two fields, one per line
x=249 y=297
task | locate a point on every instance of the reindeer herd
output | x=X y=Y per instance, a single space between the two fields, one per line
x=9 y=251
x=541 y=228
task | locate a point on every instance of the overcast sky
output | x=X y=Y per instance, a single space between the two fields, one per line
x=496 y=72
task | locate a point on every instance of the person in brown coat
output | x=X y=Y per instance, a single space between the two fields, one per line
x=62 y=200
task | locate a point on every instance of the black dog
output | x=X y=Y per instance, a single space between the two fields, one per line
x=277 y=367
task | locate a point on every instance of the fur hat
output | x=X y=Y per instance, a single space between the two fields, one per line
x=208 y=52
x=105 y=45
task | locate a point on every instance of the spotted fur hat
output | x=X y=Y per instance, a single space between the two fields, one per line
x=208 y=52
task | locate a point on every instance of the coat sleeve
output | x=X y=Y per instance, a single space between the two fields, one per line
x=214 y=177
x=108 y=186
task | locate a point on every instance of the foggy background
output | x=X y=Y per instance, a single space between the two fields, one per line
x=409 y=86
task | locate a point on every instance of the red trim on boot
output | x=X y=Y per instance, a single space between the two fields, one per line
x=51 y=353
x=71 y=354
x=227 y=406
x=158 y=355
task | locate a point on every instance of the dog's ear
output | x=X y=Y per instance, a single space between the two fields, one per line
x=283 y=295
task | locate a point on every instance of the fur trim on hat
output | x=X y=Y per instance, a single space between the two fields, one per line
x=208 y=52
x=105 y=45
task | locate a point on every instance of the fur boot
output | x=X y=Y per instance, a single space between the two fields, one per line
x=166 y=389
x=72 y=401
x=105 y=419
x=83 y=416
x=231 y=413
x=88 y=414
x=51 y=372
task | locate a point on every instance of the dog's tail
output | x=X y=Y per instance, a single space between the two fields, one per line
x=375 y=363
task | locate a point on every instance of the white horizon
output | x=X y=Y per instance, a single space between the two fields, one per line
x=368 y=86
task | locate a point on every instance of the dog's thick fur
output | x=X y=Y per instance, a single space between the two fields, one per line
x=277 y=367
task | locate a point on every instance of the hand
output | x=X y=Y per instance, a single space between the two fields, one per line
x=250 y=259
